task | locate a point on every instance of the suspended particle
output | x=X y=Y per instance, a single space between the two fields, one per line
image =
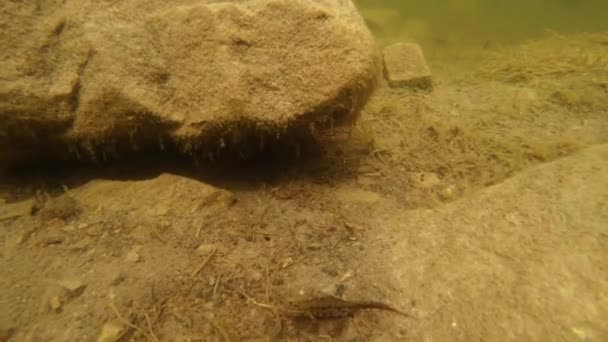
x=298 y=150
x=161 y=144
x=133 y=142
x=88 y=148
x=312 y=128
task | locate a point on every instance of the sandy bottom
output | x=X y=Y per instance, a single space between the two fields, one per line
x=479 y=211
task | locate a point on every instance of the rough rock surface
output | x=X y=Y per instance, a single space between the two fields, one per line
x=155 y=197
x=93 y=78
x=513 y=254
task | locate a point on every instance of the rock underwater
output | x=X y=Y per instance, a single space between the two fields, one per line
x=89 y=79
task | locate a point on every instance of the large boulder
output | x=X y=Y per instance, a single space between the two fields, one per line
x=92 y=78
x=523 y=260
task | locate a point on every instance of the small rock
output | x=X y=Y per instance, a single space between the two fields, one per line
x=256 y=275
x=581 y=333
x=405 y=66
x=51 y=239
x=133 y=256
x=74 y=286
x=448 y=192
x=111 y=332
x=330 y=270
x=314 y=246
x=424 y=180
x=93 y=230
x=55 y=303
x=205 y=249
x=68 y=229
x=357 y=196
x=81 y=245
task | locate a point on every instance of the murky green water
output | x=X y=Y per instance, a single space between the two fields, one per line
x=456 y=34
x=481 y=21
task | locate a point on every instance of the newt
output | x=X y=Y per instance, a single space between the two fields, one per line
x=330 y=307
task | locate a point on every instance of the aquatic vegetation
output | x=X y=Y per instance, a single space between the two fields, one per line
x=558 y=55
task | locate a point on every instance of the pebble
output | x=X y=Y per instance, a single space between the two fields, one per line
x=74 y=286
x=205 y=249
x=111 y=332
x=55 y=303
x=424 y=180
x=347 y=195
x=330 y=270
x=256 y=275
x=68 y=229
x=449 y=192
x=133 y=256
x=93 y=231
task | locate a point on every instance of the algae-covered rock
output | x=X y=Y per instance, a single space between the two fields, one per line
x=88 y=78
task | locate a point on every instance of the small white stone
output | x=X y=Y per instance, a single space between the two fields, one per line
x=448 y=192
x=132 y=256
x=205 y=249
x=111 y=332
x=55 y=303
x=67 y=229
x=256 y=275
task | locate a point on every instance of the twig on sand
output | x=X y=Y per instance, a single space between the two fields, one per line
x=217 y=284
x=129 y=324
x=11 y=217
x=151 y=330
x=253 y=301
x=218 y=327
x=267 y=284
x=350 y=226
x=202 y=265
x=356 y=325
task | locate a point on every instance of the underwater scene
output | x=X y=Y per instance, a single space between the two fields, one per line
x=304 y=170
